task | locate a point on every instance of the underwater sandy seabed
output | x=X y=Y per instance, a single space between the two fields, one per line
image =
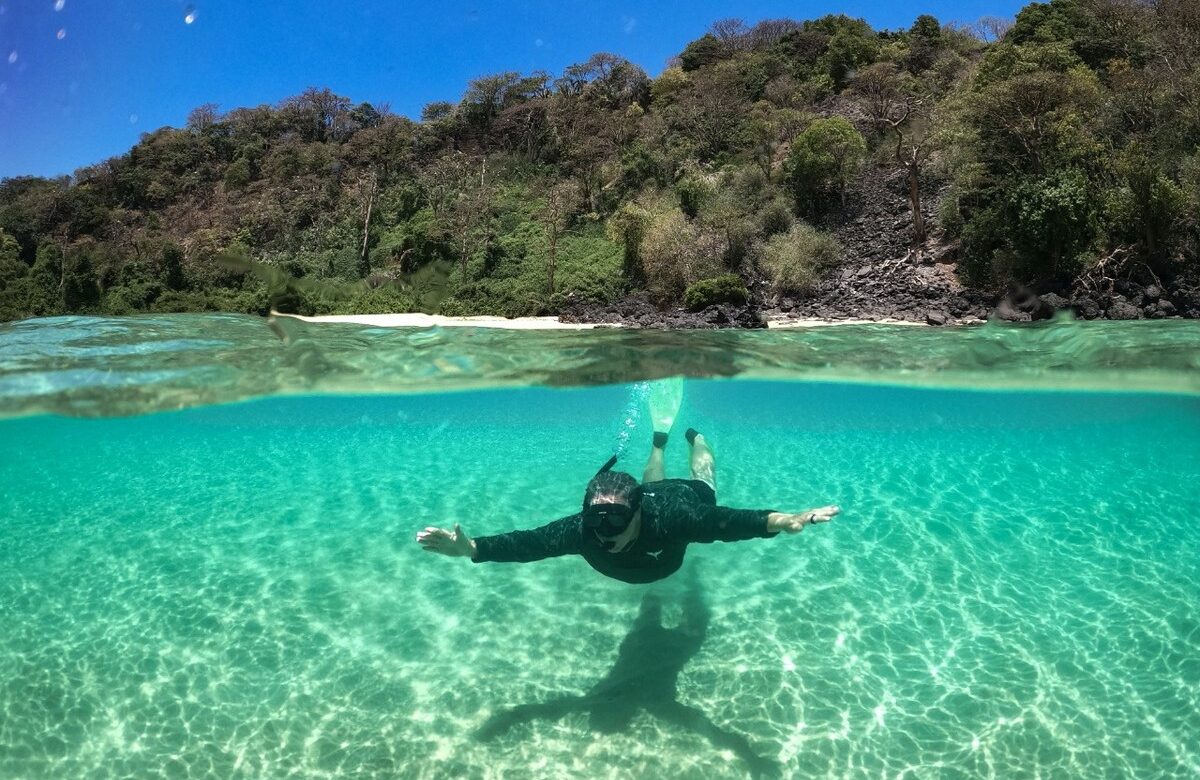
x=234 y=591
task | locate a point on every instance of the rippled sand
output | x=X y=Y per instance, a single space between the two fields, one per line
x=1012 y=590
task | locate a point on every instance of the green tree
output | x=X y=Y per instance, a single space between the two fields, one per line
x=823 y=161
x=924 y=43
x=1054 y=221
x=172 y=265
x=701 y=53
x=11 y=266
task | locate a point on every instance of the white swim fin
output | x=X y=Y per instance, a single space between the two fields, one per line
x=666 y=396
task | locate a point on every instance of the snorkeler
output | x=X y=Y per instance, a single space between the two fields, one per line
x=630 y=532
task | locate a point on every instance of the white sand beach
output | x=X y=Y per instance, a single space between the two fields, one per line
x=417 y=320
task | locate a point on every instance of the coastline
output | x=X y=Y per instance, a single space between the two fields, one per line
x=418 y=320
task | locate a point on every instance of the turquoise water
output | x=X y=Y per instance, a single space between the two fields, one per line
x=234 y=591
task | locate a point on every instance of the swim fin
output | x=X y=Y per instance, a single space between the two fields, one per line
x=666 y=396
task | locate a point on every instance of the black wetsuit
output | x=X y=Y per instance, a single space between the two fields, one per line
x=675 y=513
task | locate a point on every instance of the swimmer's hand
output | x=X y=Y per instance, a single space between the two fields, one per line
x=794 y=523
x=454 y=543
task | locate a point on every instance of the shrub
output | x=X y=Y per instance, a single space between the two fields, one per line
x=628 y=227
x=693 y=191
x=674 y=253
x=795 y=260
x=238 y=174
x=775 y=218
x=726 y=288
x=588 y=267
x=949 y=215
x=386 y=299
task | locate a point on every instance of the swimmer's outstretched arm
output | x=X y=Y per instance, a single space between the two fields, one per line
x=561 y=537
x=726 y=524
x=794 y=523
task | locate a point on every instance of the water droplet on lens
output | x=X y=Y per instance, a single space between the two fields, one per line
x=61 y=34
x=133 y=119
x=12 y=57
x=189 y=14
x=58 y=4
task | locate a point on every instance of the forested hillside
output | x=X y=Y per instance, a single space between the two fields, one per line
x=1061 y=151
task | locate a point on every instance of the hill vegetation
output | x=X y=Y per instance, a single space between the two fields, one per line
x=1028 y=151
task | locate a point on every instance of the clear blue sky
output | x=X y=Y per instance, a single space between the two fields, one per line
x=80 y=80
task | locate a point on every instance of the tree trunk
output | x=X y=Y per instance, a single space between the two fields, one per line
x=553 y=251
x=914 y=201
x=912 y=167
x=364 y=267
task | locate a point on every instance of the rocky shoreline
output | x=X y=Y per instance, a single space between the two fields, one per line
x=919 y=288
x=883 y=279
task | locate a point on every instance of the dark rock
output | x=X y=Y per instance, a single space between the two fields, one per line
x=934 y=317
x=946 y=253
x=1167 y=308
x=1132 y=291
x=1006 y=311
x=1123 y=310
x=1153 y=292
x=1021 y=305
x=1056 y=301
x=716 y=315
x=1086 y=308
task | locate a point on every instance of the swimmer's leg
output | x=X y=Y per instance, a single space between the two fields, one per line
x=704 y=466
x=655 y=470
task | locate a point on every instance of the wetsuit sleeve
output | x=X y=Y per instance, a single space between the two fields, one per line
x=723 y=524
x=562 y=537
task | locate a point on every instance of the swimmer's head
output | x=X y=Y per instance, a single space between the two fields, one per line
x=610 y=502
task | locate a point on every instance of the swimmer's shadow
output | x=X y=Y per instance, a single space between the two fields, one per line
x=645 y=677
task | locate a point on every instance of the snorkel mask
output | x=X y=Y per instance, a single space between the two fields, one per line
x=621 y=494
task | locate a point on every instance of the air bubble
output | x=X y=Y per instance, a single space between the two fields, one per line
x=62 y=33
x=189 y=14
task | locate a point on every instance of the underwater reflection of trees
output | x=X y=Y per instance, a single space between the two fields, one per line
x=635 y=355
x=645 y=677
